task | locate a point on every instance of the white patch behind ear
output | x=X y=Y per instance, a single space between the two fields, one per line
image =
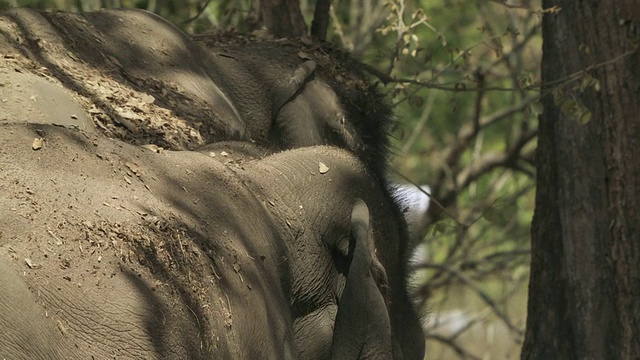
x=414 y=204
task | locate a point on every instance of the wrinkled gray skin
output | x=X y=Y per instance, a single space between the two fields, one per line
x=388 y=266
x=313 y=117
x=255 y=253
x=301 y=75
x=308 y=112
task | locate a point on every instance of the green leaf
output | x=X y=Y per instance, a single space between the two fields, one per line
x=584 y=117
x=569 y=107
x=500 y=212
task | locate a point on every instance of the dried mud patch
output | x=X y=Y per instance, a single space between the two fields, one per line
x=178 y=265
x=143 y=81
x=139 y=109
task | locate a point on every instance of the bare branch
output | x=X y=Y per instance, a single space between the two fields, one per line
x=202 y=9
x=454 y=346
x=492 y=160
x=481 y=293
x=426 y=112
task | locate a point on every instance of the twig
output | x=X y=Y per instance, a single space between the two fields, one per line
x=198 y=14
x=426 y=112
x=478 y=105
x=386 y=79
x=452 y=344
x=483 y=295
x=492 y=160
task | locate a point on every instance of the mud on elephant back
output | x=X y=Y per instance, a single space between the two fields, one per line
x=137 y=72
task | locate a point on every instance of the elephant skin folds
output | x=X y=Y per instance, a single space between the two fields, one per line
x=130 y=253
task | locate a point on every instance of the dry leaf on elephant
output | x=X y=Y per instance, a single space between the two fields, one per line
x=152 y=147
x=38 y=143
x=148 y=99
x=323 y=168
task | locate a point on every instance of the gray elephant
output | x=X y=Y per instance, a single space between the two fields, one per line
x=277 y=94
x=110 y=250
x=198 y=85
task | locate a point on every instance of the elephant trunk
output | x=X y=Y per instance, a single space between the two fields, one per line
x=362 y=328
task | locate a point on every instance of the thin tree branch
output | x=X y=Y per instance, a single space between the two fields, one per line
x=426 y=112
x=454 y=346
x=492 y=160
x=198 y=14
x=482 y=294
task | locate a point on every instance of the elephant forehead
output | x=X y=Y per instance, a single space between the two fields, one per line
x=316 y=173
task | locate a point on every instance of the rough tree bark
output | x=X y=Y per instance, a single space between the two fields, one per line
x=584 y=292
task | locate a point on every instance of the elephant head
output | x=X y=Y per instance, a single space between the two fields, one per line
x=314 y=191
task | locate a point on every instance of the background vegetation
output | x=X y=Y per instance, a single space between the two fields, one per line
x=463 y=76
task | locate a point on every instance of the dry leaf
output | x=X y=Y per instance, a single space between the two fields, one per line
x=303 y=55
x=152 y=147
x=148 y=99
x=38 y=143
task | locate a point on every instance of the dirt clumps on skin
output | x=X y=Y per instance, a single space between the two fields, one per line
x=142 y=80
x=103 y=223
x=135 y=110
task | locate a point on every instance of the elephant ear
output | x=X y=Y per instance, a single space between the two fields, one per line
x=362 y=328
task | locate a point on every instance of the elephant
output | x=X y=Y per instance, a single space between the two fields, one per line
x=261 y=93
x=277 y=94
x=348 y=113
x=111 y=250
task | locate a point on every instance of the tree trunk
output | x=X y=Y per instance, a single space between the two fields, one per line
x=283 y=17
x=320 y=22
x=584 y=291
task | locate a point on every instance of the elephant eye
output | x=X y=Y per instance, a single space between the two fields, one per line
x=344 y=247
x=341 y=255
